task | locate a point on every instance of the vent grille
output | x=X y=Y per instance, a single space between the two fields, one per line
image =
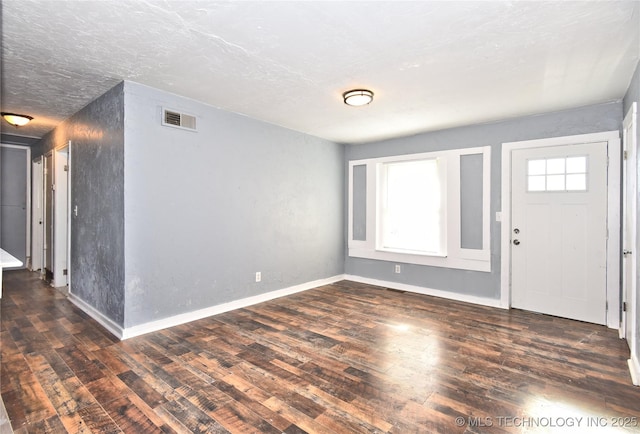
x=176 y=119
x=172 y=118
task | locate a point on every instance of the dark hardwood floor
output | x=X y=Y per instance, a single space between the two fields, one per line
x=344 y=358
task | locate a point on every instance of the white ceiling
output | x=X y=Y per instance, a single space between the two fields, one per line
x=431 y=65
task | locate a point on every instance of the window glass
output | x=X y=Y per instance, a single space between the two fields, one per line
x=537 y=167
x=555 y=166
x=577 y=165
x=555 y=182
x=537 y=183
x=411 y=206
x=577 y=181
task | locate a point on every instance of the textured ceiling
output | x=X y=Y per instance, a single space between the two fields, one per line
x=432 y=65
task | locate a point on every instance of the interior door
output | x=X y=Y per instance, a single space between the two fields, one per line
x=37 y=215
x=629 y=271
x=13 y=196
x=48 y=215
x=559 y=231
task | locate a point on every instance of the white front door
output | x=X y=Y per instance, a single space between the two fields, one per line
x=559 y=231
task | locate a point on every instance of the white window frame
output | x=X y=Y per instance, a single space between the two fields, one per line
x=456 y=256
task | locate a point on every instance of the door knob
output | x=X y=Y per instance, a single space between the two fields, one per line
x=626 y=252
x=516 y=242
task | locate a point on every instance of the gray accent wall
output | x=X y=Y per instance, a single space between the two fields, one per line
x=590 y=119
x=97 y=188
x=359 y=228
x=206 y=210
x=471 y=198
x=633 y=95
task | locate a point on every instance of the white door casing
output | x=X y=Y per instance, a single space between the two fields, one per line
x=48 y=214
x=558 y=252
x=37 y=216
x=629 y=271
x=613 y=214
x=60 y=219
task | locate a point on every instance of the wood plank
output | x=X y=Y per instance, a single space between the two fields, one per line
x=129 y=418
x=193 y=418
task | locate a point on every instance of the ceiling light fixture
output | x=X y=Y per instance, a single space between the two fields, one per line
x=16 y=120
x=357 y=97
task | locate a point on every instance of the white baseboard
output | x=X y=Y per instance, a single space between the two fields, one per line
x=105 y=322
x=484 y=301
x=634 y=369
x=183 y=318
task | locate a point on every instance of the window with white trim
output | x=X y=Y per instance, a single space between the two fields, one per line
x=409 y=209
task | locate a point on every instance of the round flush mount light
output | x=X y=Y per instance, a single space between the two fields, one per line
x=357 y=97
x=16 y=120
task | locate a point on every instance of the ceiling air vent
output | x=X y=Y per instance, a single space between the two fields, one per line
x=172 y=118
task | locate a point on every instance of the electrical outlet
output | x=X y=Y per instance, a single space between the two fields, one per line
x=258 y=276
x=398 y=269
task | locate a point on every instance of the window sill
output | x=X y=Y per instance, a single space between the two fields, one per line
x=412 y=253
x=474 y=264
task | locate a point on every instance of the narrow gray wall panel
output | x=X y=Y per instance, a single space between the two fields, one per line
x=471 y=201
x=359 y=202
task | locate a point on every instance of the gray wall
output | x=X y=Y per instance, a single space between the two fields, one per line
x=205 y=210
x=633 y=95
x=97 y=187
x=591 y=119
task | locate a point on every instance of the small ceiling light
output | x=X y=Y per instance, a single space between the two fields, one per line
x=357 y=97
x=16 y=120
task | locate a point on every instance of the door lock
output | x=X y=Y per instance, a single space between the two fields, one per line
x=516 y=231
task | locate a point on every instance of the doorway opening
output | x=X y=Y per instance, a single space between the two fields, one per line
x=55 y=216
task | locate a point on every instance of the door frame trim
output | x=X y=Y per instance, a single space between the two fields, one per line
x=630 y=119
x=60 y=228
x=39 y=187
x=613 y=214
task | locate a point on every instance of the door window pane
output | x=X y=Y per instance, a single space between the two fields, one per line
x=555 y=182
x=537 y=167
x=577 y=182
x=577 y=165
x=537 y=183
x=555 y=166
